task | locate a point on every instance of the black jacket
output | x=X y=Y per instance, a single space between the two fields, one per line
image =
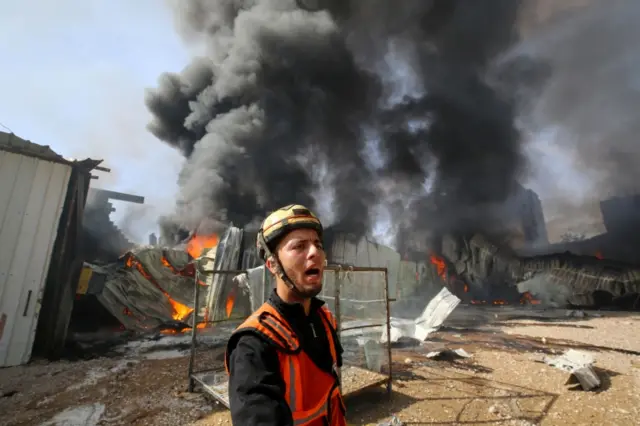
x=256 y=388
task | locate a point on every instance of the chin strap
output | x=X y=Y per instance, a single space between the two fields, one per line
x=279 y=268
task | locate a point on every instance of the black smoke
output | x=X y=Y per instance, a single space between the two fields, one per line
x=284 y=91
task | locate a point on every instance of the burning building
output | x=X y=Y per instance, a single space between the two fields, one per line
x=367 y=112
x=362 y=112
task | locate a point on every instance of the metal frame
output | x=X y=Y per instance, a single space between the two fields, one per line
x=194 y=319
x=340 y=268
x=335 y=268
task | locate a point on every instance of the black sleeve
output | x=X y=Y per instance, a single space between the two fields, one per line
x=256 y=388
x=339 y=352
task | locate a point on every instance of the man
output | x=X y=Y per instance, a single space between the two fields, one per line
x=283 y=360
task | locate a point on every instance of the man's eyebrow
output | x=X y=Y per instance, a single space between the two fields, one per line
x=304 y=240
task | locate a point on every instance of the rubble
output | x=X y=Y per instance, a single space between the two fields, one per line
x=579 y=365
x=448 y=354
x=559 y=279
x=86 y=415
x=504 y=372
x=395 y=421
x=431 y=319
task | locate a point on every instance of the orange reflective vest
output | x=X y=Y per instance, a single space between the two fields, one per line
x=313 y=394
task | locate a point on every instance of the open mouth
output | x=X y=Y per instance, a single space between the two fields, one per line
x=312 y=272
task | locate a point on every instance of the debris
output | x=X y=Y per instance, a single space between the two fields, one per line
x=581 y=314
x=86 y=415
x=431 y=319
x=448 y=354
x=8 y=394
x=579 y=364
x=395 y=421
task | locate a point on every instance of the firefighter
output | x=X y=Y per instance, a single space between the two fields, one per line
x=283 y=360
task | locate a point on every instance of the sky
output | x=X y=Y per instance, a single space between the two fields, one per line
x=73 y=77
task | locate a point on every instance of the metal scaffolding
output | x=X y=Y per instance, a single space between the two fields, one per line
x=353 y=329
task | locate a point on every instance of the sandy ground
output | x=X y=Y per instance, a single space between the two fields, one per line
x=503 y=383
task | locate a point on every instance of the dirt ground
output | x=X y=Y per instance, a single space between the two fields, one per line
x=503 y=383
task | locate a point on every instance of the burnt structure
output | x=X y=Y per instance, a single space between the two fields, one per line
x=104 y=242
x=621 y=217
x=489 y=273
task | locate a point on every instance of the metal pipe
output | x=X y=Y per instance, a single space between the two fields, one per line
x=355 y=268
x=363 y=326
x=194 y=322
x=194 y=330
x=386 y=296
x=338 y=319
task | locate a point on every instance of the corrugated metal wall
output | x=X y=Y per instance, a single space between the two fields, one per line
x=32 y=194
x=411 y=283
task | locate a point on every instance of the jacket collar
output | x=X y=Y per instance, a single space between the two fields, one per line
x=293 y=310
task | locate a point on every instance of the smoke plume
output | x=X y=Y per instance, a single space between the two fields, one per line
x=585 y=109
x=289 y=86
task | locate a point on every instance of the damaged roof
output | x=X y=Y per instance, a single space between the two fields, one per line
x=11 y=143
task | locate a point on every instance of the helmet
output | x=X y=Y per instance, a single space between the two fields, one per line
x=281 y=222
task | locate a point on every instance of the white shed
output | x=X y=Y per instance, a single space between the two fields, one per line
x=34 y=183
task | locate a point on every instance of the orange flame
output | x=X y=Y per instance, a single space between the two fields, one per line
x=199 y=326
x=466 y=288
x=599 y=255
x=199 y=243
x=231 y=300
x=168 y=264
x=180 y=311
x=440 y=265
x=528 y=298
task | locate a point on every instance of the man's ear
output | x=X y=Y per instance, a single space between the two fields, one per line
x=271 y=265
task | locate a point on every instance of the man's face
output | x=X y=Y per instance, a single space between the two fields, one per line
x=302 y=257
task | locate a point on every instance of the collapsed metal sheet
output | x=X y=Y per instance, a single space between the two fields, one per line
x=149 y=289
x=220 y=285
x=432 y=318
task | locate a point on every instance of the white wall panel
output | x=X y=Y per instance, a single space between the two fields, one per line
x=32 y=194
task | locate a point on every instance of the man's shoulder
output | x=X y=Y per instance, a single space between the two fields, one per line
x=249 y=341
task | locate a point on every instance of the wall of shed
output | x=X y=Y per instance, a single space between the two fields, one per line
x=32 y=195
x=65 y=269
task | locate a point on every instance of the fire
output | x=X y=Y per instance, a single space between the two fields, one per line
x=466 y=288
x=168 y=264
x=599 y=255
x=199 y=243
x=199 y=326
x=441 y=266
x=231 y=300
x=528 y=298
x=180 y=311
